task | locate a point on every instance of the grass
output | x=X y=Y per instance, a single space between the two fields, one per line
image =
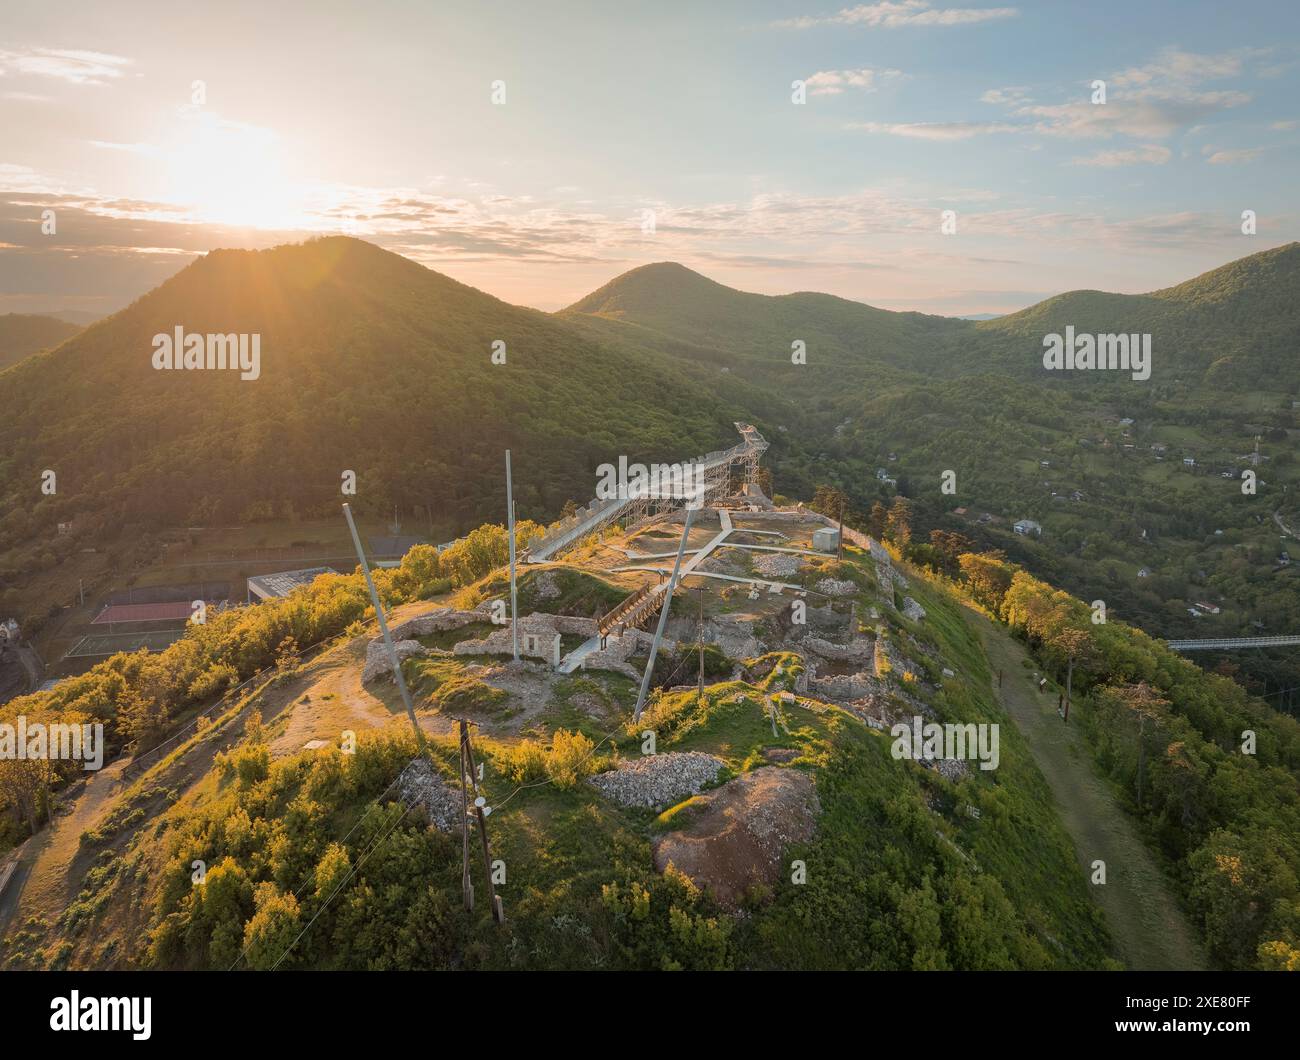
x=446 y=687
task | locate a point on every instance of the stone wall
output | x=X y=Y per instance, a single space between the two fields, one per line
x=547 y=627
x=614 y=656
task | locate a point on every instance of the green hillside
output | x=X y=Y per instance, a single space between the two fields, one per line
x=1026 y=443
x=1236 y=327
x=22 y=334
x=754 y=332
x=369 y=362
x=374 y=364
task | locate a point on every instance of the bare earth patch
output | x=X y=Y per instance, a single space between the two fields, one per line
x=738 y=833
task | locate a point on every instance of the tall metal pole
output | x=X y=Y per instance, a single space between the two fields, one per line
x=663 y=617
x=514 y=595
x=839 y=536
x=700 y=694
x=383 y=628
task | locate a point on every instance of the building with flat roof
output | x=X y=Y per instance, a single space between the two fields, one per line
x=270 y=586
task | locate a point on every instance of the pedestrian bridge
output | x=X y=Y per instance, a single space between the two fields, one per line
x=712 y=472
x=1232 y=643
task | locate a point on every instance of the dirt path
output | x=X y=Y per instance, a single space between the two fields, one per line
x=1149 y=928
x=43 y=881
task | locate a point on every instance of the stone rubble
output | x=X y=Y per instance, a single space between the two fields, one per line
x=377 y=661
x=545 y=585
x=658 y=781
x=860 y=649
x=836 y=587
x=422 y=786
x=777 y=564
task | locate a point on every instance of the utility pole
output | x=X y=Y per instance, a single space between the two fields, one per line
x=839 y=537
x=663 y=617
x=383 y=628
x=498 y=912
x=700 y=693
x=466 y=884
x=514 y=596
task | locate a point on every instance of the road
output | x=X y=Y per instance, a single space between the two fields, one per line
x=20 y=671
x=1148 y=926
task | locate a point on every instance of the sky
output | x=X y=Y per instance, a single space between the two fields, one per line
x=536 y=151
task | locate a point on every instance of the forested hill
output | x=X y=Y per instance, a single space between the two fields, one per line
x=374 y=364
x=369 y=362
x=1235 y=327
x=753 y=331
x=22 y=334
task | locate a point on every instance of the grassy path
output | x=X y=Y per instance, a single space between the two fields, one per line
x=1149 y=928
x=44 y=882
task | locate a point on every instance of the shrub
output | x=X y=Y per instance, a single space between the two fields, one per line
x=570 y=759
x=523 y=763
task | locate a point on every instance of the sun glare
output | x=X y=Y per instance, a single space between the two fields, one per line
x=232 y=174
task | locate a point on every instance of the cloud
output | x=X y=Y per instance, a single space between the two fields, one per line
x=1006 y=96
x=834 y=82
x=1151 y=101
x=937 y=130
x=891 y=14
x=1232 y=156
x=1147 y=154
x=75 y=67
x=1285 y=126
x=1173 y=67
x=1138 y=117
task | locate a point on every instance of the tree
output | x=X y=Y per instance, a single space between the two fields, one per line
x=829 y=500
x=988 y=575
x=950 y=546
x=1078 y=648
x=271 y=932
x=876 y=521
x=1144 y=701
x=898 y=524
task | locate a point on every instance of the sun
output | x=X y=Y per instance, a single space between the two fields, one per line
x=230 y=173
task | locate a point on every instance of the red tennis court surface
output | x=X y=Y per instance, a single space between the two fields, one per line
x=177 y=610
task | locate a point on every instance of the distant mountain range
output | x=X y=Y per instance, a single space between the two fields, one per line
x=373 y=363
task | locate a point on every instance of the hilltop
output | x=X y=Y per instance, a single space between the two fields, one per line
x=748 y=331
x=614 y=858
x=370 y=362
x=762 y=818
x=1234 y=327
